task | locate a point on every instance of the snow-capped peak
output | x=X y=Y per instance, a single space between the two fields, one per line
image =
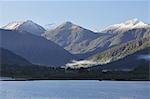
x=134 y=23
x=26 y=26
x=13 y=25
x=127 y=25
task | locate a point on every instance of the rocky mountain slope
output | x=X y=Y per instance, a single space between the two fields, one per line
x=121 y=51
x=72 y=37
x=113 y=54
x=130 y=62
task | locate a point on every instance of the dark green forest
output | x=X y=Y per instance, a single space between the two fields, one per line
x=34 y=72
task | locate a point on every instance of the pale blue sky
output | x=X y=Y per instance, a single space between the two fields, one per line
x=93 y=15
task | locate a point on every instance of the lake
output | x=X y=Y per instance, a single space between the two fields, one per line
x=74 y=89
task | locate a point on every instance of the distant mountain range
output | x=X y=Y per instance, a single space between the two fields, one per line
x=85 y=43
x=67 y=42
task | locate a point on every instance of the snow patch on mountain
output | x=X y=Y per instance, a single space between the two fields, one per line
x=13 y=25
x=25 y=26
x=125 y=26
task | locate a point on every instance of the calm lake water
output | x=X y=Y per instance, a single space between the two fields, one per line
x=78 y=89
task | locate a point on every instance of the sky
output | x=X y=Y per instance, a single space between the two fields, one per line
x=91 y=14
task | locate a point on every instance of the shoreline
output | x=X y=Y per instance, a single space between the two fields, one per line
x=21 y=79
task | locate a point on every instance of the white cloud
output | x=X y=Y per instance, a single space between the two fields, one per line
x=82 y=63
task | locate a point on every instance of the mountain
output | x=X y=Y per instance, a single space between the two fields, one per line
x=85 y=43
x=25 y=26
x=130 y=62
x=121 y=51
x=8 y=57
x=113 y=54
x=125 y=26
x=34 y=48
x=126 y=31
x=72 y=37
x=113 y=38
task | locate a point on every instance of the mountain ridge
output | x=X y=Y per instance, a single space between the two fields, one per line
x=69 y=35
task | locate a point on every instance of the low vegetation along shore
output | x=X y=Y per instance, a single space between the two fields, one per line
x=34 y=72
